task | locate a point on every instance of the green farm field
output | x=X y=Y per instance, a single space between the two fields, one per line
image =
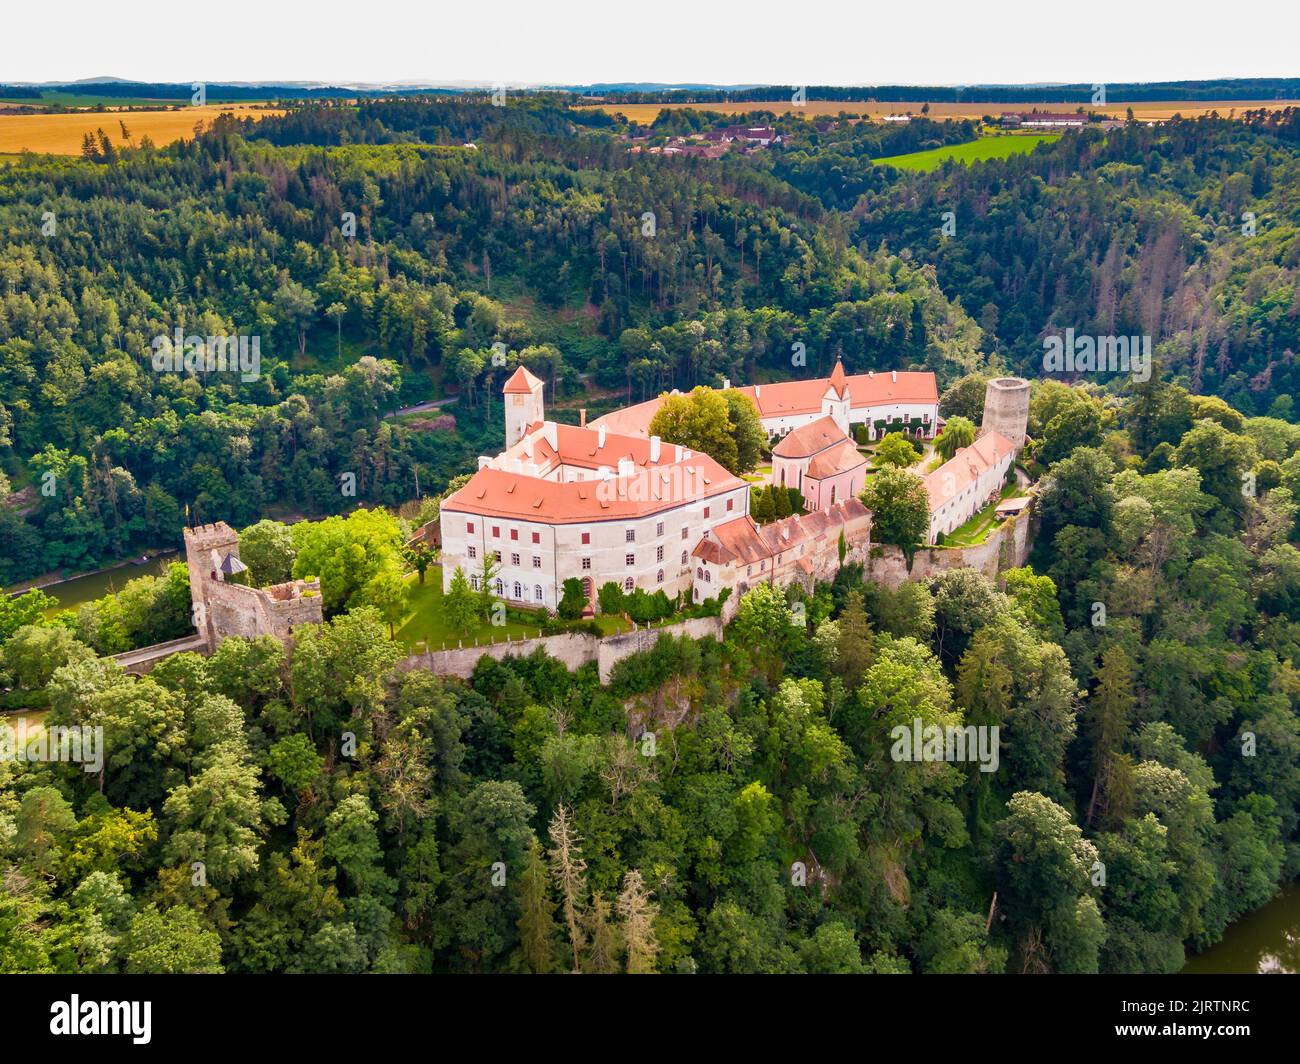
x=998 y=147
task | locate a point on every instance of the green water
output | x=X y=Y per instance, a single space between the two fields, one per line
x=72 y=593
x=1267 y=941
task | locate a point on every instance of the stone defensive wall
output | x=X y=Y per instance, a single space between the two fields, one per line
x=575 y=649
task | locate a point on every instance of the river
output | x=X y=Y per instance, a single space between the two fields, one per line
x=72 y=593
x=1266 y=941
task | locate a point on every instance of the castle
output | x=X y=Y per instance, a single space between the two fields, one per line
x=223 y=608
x=611 y=502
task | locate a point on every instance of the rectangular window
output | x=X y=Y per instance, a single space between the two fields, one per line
x=514 y=534
x=731 y=503
x=473 y=552
x=537 y=562
x=469 y=527
x=514 y=559
x=496 y=531
x=706 y=513
x=537 y=537
x=630 y=535
x=498 y=556
x=659 y=529
x=686 y=532
x=659 y=554
x=586 y=538
x=586 y=563
x=630 y=558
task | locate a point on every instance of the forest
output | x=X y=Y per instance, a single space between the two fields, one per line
x=719 y=806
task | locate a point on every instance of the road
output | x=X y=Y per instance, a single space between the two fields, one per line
x=420 y=408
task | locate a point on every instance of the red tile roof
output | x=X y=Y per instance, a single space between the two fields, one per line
x=792 y=398
x=839 y=383
x=809 y=439
x=521 y=381
x=965 y=467
x=649 y=488
x=841 y=458
x=743 y=542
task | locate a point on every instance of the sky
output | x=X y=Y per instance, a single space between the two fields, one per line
x=822 y=42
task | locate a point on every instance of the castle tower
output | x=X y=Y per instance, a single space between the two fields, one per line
x=211 y=555
x=523 y=400
x=1006 y=409
x=836 y=401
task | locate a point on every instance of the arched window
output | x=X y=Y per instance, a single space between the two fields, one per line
x=628 y=584
x=659 y=579
x=783 y=476
x=473 y=582
x=500 y=586
x=537 y=592
x=708 y=578
x=519 y=591
x=832 y=494
x=684 y=559
x=699 y=573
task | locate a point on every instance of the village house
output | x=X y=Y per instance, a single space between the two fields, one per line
x=1043 y=120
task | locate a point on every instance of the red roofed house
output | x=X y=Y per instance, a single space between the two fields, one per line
x=822 y=462
x=967 y=482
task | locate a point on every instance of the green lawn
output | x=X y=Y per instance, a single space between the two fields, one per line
x=999 y=147
x=976 y=530
x=425 y=620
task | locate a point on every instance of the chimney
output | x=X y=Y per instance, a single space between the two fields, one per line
x=893 y=375
x=654 y=448
x=871 y=373
x=757 y=391
x=726 y=383
x=625 y=467
x=600 y=437
x=551 y=434
x=582 y=417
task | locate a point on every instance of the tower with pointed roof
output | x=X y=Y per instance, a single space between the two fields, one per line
x=523 y=401
x=838 y=398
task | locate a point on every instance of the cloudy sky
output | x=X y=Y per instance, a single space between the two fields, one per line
x=831 y=42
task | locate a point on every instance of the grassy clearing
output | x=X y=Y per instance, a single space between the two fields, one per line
x=976 y=530
x=1000 y=147
x=426 y=621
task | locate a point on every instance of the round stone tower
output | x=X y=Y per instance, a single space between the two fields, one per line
x=1006 y=408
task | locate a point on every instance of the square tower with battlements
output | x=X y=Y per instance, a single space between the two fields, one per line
x=223 y=607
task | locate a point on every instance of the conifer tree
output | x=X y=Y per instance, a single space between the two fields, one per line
x=570 y=873
x=637 y=913
x=537 y=928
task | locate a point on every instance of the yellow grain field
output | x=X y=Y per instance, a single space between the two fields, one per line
x=1151 y=110
x=62 y=134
